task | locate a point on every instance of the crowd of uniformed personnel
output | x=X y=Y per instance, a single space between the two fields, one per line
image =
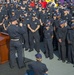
x=54 y=26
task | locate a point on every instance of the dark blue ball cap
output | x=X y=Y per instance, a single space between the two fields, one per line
x=47 y=21
x=20 y=3
x=49 y=14
x=72 y=18
x=72 y=24
x=43 y=8
x=24 y=12
x=5 y=15
x=66 y=9
x=54 y=15
x=47 y=25
x=59 y=2
x=33 y=15
x=29 y=6
x=58 y=14
x=22 y=17
x=62 y=22
x=72 y=4
x=33 y=11
x=39 y=5
x=38 y=55
x=56 y=8
x=13 y=10
x=28 y=2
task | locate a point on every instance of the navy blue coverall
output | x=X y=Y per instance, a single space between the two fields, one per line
x=15 y=32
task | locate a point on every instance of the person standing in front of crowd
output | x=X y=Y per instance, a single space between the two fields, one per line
x=43 y=18
x=48 y=36
x=57 y=24
x=62 y=34
x=23 y=23
x=55 y=42
x=38 y=67
x=70 y=39
x=15 y=32
x=33 y=26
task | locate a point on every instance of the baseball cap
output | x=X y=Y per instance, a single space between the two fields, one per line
x=72 y=18
x=62 y=22
x=47 y=21
x=58 y=14
x=38 y=55
x=72 y=24
x=47 y=25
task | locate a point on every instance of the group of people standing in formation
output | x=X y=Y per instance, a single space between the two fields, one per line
x=32 y=24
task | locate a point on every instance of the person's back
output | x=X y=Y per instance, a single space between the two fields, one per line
x=38 y=67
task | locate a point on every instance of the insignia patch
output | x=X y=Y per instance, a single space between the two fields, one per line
x=35 y=22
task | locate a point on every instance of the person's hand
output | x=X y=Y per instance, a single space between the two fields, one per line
x=33 y=30
x=21 y=24
x=5 y=28
x=0 y=24
x=52 y=36
x=69 y=42
x=41 y=24
x=60 y=40
x=65 y=24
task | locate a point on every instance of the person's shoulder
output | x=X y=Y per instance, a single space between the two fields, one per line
x=37 y=20
x=32 y=63
x=43 y=64
x=9 y=27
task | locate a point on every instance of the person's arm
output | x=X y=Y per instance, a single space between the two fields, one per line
x=4 y=27
x=59 y=35
x=45 y=70
x=41 y=22
x=37 y=28
x=38 y=25
x=30 y=66
x=52 y=32
x=30 y=28
x=68 y=37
